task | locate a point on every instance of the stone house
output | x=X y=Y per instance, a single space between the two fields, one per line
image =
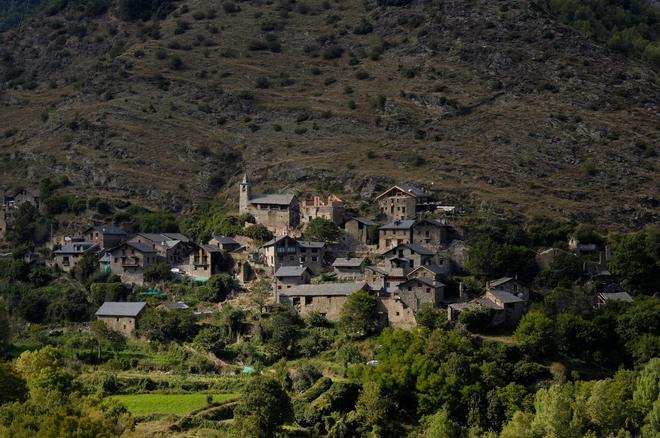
x=121 y=317
x=332 y=208
x=280 y=213
x=224 y=243
x=128 y=260
x=395 y=233
x=172 y=248
x=431 y=233
x=349 y=268
x=402 y=201
x=580 y=248
x=203 y=261
x=611 y=293
x=288 y=276
x=105 y=236
x=69 y=255
x=506 y=309
x=280 y=251
x=313 y=255
x=420 y=290
x=510 y=285
x=326 y=298
x=415 y=254
x=360 y=231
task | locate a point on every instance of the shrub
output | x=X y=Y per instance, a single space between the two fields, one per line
x=230 y=7
x=262 y=83
x=361 y=75
x=176 y=63
x=333 y=52
x=363 y=27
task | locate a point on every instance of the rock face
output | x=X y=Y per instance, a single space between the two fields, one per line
x=494 y=102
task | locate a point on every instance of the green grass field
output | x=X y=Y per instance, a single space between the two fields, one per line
x=178 y=404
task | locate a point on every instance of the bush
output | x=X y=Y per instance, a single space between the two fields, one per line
x=262 y=83
x=176 y=63
x=363 y=27
x=333 y=52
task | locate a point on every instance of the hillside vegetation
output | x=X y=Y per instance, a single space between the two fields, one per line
x=487 y=102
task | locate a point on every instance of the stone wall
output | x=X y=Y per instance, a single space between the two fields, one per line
x=124 y=325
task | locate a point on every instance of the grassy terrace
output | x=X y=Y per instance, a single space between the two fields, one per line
x=177 y=404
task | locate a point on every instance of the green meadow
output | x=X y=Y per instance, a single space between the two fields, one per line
x=177 y=404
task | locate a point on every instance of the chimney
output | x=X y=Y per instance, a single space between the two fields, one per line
x=461 y=292
x=600 y=257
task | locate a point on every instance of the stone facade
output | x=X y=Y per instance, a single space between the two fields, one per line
x=350 y=268
x=128 y=260
x=121 y=317
x=313 y=255
x=203 y=261
x=396 y=313
x=331 y=208
x=105 y=237
x=358 y=231
x=172 y=248
x=280 y=213
x=281 y=251
x=401 y=201
x=326 y=298
x=431 y=233
x=67 y=257
x=421 y=290
x=289 y=276
x=395 y=233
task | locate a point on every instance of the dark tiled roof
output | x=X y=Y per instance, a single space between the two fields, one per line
x=399 y=225
x=353 y=262
x=275 y=240
x=120 y=309
x=324 y=289
x=616 y=296
x=275 y=199
x=506 y=297
x=142 y=247
x=310 y=244
x=363 y=220
x=291 y=271
x=225 y=240
x=76 y=248
x=499 y=281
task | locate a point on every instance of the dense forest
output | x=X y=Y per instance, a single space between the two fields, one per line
x=628 y=26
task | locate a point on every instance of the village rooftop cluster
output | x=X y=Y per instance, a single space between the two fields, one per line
x=399 y=256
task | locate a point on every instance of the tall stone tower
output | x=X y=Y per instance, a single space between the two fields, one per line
x=244 y=196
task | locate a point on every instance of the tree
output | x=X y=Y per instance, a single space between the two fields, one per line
x=106 y=337
x=282 y=330
x=217 y=288
x=476 y=320
x=359 y=314
x=260 y=293
x=322 y=230
x=84 y=269
x=163 y=325
x=257 y=232
x=439 y=425
x=230 y=321
x=563 y=270
x=5 y=329
x=372 y=407
x=534 y=334
x=263 y=409
x=12 y=385
x=211 y=339
x=431 y=317
x=160 y=272
x=102 y=292
x=490 y=259
x=636 y=260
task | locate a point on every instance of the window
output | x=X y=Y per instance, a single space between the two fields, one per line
x=308 y=300
x=291 y=258
x=409 y=288
x=314 y=259
x=428 y=290
x=303 y=259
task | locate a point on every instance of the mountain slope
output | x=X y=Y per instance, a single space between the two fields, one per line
x=492 y=102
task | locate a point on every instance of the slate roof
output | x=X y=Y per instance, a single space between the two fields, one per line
x=274 y=240
x=165 y=237
x=399 y=225
x=311 y=244
x=377 y=269
x=225 y=240
x=324 y=289
x=109 y=229
x=291 y=271
x=616 y=296
x=427 y=281
x=363 y=220
x=419 y=249
x=120 y=309
x=499 y=281
x=142 y=247
x=210 y=248
x=437 y=270
x=411 y=189
x=436 y=222
x=506 y=297
x=76 y=248
x=353 y=262
x=275 y=199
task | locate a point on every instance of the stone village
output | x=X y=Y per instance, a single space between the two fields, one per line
x=400 y=256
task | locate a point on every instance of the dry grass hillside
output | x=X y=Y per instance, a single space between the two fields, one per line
x=488 y=101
